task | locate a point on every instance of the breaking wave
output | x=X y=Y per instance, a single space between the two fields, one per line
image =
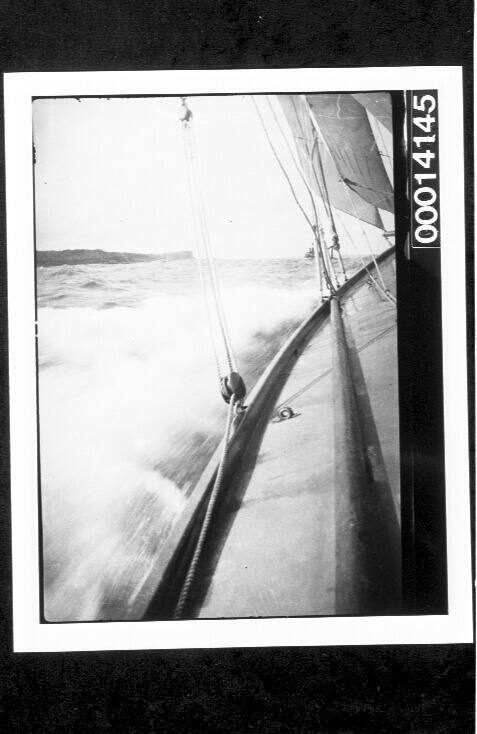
x=130 y=414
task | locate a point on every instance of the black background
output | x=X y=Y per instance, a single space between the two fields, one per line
x=345 y=689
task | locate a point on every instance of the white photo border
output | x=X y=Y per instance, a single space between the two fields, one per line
x=32 y=636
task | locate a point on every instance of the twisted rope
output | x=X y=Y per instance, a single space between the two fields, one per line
x=191 y=573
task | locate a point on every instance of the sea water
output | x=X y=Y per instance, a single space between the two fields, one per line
x=130 y=410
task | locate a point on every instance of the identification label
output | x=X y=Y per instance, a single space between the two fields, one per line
x=423 y=147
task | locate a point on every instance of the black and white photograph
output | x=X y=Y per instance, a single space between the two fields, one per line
x=218 y=405
x=222 y=352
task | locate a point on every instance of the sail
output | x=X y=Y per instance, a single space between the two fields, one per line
x=344 y=199
x=345 y=128
x=379 y=105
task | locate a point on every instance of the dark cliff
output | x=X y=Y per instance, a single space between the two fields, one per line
x=50 y=258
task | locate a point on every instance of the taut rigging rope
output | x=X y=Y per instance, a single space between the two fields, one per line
x=204 y=245
x=317 y=241
x=292 y=189
x=199 y=262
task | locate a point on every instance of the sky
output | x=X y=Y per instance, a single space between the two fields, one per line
x=111 y=174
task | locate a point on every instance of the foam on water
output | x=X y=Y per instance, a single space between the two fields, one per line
x=130 y=414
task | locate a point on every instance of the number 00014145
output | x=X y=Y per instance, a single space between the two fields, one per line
x=424 y=182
